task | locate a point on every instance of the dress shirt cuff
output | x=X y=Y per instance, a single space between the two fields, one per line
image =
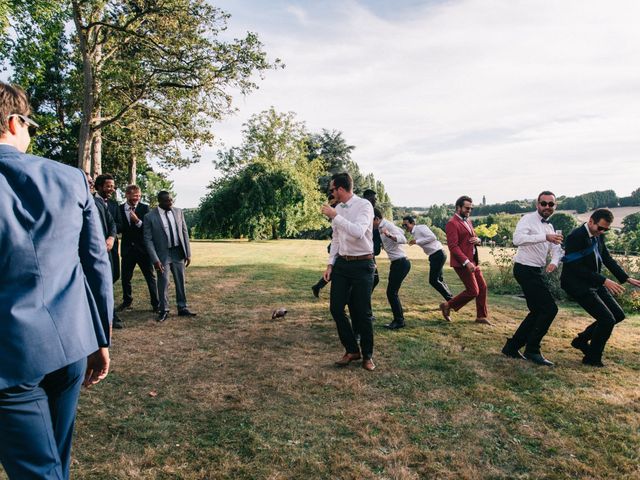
x=139 y=224
x=464 y=264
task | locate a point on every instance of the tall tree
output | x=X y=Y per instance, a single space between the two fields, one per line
x=269 y=185
x=156 y=69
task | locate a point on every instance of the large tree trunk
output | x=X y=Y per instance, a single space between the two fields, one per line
x=88 y=100
x=133 y=165
x=96 y=152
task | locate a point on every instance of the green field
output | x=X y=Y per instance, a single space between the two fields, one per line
x=232 y=394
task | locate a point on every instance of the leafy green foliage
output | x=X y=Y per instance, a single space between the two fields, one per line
x=149 y=77
x=258 y=202
x=563 y=221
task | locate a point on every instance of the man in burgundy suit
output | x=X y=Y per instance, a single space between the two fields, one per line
x=462 y=242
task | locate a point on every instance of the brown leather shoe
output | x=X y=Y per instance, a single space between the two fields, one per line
x=347 y=358
x=368 y=364
x=446 y=311
x=483 y=321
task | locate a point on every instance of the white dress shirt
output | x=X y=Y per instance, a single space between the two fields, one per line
x=352 y=229
x=426 y=239
x=127 y=212
x=169 y=222
x=531 y=239
x=393 y=248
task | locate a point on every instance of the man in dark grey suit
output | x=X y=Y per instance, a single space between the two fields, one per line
x=56 y=299
x=167 y=241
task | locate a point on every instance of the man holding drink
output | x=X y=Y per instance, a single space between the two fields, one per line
x=535 y=238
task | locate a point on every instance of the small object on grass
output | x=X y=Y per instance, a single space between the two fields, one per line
x=153 y=393
x=278 y=313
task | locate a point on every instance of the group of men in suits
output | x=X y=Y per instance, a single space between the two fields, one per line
x=130 y=219
x=351 y=266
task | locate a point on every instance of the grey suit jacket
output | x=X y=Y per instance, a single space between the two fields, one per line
x=155 y=236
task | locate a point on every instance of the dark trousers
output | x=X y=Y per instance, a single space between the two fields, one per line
x=542 y=308
x=436 y=279
x=601 y=305
x=36 y=424
x=398 y=270
x=129 y=261
x=352 y=283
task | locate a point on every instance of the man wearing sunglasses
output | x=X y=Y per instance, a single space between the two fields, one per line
x=585 y=254
x=535 y=238
x=462 y=242
x=56 y=299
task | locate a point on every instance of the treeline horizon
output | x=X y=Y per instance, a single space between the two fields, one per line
x=580 y=203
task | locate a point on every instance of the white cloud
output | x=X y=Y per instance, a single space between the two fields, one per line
x=478 y=96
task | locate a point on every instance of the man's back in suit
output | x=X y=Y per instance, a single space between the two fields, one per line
x=55 y=299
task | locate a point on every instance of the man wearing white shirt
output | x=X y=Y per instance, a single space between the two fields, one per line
x=426 y=239
x=392 y=237
x=167 y=240
x=350 y=269
x=535 y=238
x=133 y=251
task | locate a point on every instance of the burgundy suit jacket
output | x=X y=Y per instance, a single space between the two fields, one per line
x=460 y=248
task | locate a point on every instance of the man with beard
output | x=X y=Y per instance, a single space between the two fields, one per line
x=535 y=238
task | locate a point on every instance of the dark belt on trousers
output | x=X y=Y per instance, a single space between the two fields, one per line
x=351 y=258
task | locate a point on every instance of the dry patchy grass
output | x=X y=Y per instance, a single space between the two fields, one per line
x=240 y=396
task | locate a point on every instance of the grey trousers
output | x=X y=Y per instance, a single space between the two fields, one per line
x=175 y=264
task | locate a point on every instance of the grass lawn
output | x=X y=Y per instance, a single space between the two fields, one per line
x=232 y=394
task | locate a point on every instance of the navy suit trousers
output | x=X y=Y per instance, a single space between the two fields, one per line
x=36 y=424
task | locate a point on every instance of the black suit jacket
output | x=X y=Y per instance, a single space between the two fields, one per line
x=583 y=275
x=109 y=229
x=114 y=210
x=132 y=236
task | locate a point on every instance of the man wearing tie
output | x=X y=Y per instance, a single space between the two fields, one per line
x=585 y=254
x=350 y=269
x=56 y=299
x=167 y=240
x=462 y=242
x=134 y=252
x=535 y=238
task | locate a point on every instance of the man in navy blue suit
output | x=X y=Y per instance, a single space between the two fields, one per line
x=56 y=299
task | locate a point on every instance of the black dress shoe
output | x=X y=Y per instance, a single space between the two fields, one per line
x=162 y=316
x=117 y=324
x=316 y=291
x=394 y=325
x=124 y=306
x=593 y=362
x=581 y=344
x=511 y=352
x=184 y=312
x=538 y=359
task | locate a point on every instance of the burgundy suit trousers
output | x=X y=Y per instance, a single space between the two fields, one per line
x=475 y=287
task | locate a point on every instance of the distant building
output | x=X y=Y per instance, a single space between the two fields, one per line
x=484 y=200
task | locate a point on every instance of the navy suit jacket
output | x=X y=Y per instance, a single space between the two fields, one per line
x=581 y=276
x=56 y=295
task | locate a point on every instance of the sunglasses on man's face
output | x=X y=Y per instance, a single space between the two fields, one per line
x=31 y=125
x=550 y=204
x=603 y=229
